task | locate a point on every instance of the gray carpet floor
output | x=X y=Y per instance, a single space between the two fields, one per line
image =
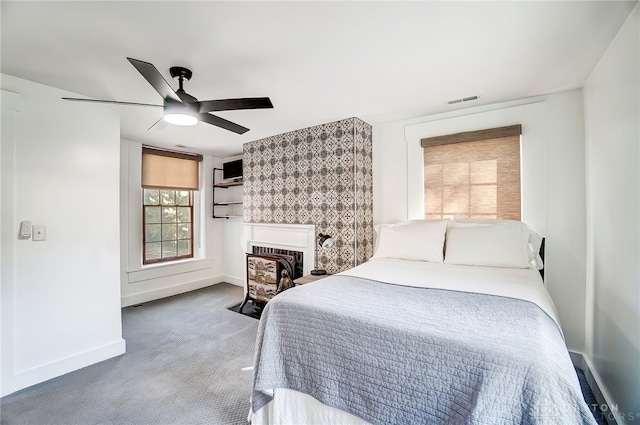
x=182 y=366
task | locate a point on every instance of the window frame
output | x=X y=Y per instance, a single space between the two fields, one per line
x=191 y=254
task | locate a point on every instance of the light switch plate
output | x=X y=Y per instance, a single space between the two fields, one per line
x=39 y=232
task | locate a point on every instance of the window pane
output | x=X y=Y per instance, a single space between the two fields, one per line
x=484 y=199
x=153 y=251
x=433 y=174
x=183 y=198
x=484 y=172
x=169 y=232
x=455 y=200
x=168 y=249
x=168 y=197
x=168 y=215
x=433 y=201
x=184 y=231
x=151 y=197
x=184 y=248
x=152 y=233
x=152 y=214
x=184 y=215
x=456 y=174
x=168 y=224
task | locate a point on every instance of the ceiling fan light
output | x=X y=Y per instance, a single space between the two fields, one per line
x=180 y=119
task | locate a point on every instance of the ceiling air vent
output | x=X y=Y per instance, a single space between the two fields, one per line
x=464 y=99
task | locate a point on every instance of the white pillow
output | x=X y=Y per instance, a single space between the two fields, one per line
x=500 y=244
x=414 y=240
x=377 y=230
x=534 y=242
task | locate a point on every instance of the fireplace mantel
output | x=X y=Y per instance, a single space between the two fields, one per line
x=295 y=237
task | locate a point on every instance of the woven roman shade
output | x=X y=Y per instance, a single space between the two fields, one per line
x=170 y=170
x=473 y=175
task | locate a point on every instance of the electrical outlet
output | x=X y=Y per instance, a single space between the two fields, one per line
x=39 y=232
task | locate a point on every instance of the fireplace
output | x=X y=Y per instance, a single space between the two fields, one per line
x=288 y=239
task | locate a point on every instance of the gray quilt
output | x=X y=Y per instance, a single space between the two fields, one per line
x=401 y=355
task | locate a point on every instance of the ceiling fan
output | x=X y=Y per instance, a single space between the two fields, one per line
x=180 y=108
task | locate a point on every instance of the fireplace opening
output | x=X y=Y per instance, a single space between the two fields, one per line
x=295 y=258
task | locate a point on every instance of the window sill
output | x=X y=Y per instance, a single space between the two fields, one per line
x=154 y=271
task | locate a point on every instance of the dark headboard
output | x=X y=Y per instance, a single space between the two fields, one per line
x=542 y=256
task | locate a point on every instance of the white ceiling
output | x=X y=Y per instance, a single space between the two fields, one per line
x=317 y=61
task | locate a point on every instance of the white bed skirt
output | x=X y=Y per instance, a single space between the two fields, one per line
x=293 y=407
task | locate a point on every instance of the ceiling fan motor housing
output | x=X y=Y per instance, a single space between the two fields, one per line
x=187 y=107
x=178 y=71
x=179 y=113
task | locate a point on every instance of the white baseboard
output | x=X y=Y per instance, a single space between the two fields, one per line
x=600 y=392
x=168 y=291
x=36 y=375
x=238 y=281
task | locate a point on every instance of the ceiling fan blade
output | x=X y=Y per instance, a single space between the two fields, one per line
x=233 y=104
x=222 y=123
x=151 y=74
x=158 y=125
x=185 y=97
x=75 y=99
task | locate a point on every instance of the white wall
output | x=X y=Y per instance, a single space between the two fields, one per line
x=61 y=296
x=612 y=111
x=234 y=252
x=553 y=198
x=145 y=283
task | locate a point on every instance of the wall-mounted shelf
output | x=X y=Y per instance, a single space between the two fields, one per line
x=227 y=184
x=228 y=203
x=221 y=209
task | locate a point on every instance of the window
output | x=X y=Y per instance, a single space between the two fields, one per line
x=169 y=181
x=168 y=225
x=476 y=174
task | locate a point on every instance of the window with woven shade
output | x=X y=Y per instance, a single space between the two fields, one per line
x=168 y=180
x=476 y=174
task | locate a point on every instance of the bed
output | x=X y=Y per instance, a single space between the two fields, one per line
x=448 y=323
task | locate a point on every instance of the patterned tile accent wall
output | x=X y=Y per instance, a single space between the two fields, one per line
x=319 y=175
x=364 y=192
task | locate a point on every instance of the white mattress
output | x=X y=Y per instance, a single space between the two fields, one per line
x=524 y=284
x=292 y=407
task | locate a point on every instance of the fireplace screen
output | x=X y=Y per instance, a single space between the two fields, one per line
x=267 y=276
x=263 y=276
